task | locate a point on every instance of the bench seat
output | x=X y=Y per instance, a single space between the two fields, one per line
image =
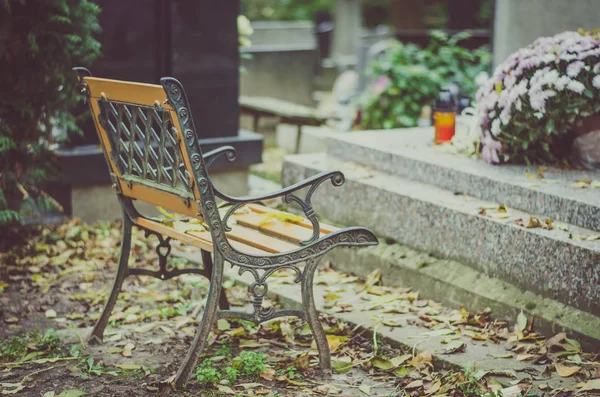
x=250 y=233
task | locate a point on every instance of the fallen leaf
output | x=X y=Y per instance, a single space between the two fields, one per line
x=591 y=385
x=129 y=367
x=251 y=385
x=328 y=389
x=455 y=347
x=392 y=323
x=71 y=393
x=225 y=389
x=245 y=343
x=521 y=322
x=565 y=371
x=341 y=365
x=365 y=389
x=399 y=360
x=525 y=357
x=414 y=384
x=302 y=362
x=11 y=388
x=223 y=325
x=331 y=296
x=127 y=350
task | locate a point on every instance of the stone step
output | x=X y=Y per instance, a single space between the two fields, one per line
x=456 y=285
x=447 y=225
x=410 y=153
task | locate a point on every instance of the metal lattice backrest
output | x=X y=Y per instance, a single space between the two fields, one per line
x=143 y=146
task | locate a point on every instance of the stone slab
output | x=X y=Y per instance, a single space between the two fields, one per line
x=447 y=225
x=410 y=153
x=408 y=336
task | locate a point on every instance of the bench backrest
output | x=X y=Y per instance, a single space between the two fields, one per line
x=140 y=133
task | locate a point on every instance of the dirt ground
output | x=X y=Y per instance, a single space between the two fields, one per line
x=55 y=284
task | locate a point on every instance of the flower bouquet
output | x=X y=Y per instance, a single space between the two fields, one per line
x=536 y=102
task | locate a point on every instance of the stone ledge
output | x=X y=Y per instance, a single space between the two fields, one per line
x=446 y=225
x=456 y=285
x=410 y=153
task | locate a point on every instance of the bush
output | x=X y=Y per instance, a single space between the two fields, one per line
x=40 y=41
x=410 y=77
x=536 y=97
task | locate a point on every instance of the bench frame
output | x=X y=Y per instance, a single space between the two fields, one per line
x=204 y=206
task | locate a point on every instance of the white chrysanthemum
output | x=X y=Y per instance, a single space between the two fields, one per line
x=576 y=86
x=495 y=130
x=596 y=82
x=562 y=82
x=575 y=68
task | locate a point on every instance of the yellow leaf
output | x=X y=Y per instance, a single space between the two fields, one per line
x=129 y=367
x=50 y=313
x=165 y=212
x=365 y=389
x=331 y=296
x=566 y=371
x=334 y=342
x=280 y=216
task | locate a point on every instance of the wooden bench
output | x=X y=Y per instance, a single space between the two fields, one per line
x=287 y=112
x=154 y=155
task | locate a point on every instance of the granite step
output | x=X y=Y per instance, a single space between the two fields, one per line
x=454 y=226
x=410 y=153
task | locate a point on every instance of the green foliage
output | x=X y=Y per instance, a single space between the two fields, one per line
x=411 y=77
x=284 y=10
x=250 y=363
x=18 y=347
x=290 y=372
x=247 y=364
x=40 y=41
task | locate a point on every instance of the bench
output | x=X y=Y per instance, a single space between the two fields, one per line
x=153 y=154
x=287 y=112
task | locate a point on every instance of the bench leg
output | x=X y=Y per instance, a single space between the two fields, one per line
x=98 y=331
x=312 y=316
x=208 y=265
x=208 y=320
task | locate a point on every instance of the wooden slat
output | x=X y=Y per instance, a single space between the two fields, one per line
x=201 y=240
x=254 y=238
x=126 y=91
x=169 y=201
x=261 y=209
x=282 y=230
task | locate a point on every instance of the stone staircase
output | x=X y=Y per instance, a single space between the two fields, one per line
x=471 y=218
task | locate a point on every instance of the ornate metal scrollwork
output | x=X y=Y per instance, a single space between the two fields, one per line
x=313 y=247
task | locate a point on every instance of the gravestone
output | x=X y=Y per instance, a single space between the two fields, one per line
x=195 y=41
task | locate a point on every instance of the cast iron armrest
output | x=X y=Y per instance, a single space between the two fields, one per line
x=336 y=177
x=210 y=157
